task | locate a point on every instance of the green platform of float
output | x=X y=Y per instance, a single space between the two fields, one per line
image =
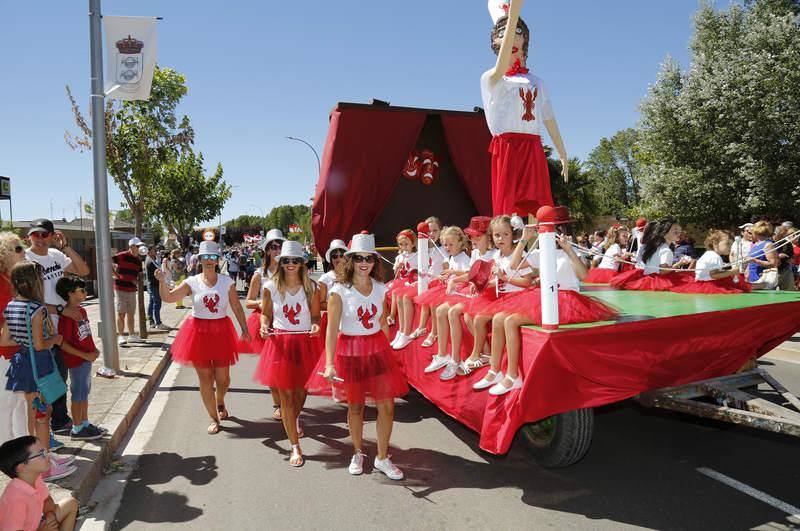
x=643 y=305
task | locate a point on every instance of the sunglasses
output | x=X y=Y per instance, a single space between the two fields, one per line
x=18 y=249
x=42 y=235
x=360 y=258
x=293 y=261
x=41 y=453
x=337 y=254
x=274 y=247
x=209 y=257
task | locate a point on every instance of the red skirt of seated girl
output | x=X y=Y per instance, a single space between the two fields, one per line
x=636 y=280
x=573 y=307
x=722 y=286
x=600 y=276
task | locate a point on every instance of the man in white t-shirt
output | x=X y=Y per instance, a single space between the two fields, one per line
x=50 y=249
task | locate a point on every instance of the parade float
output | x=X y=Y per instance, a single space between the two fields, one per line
x=670 y=350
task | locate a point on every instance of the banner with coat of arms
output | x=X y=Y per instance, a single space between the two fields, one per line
x=130 y=56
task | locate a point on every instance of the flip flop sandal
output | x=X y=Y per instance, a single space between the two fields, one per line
x=276 y=412
x=296 y=459
x=222 y=412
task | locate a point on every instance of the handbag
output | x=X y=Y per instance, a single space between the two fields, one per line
x=51 y=386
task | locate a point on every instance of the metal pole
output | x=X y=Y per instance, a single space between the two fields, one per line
x=108 y=332
x=319 y=164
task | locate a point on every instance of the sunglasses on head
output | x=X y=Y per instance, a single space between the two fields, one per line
x=293 y=261
x=337 y=254
x=41 y=234
x=361 y=258
x=209 y=257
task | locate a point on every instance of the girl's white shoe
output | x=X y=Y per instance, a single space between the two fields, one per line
x=500 y=389
x=489 y=380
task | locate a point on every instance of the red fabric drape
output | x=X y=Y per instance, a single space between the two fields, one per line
x=468 y=140
x=363 y=158
x=591 y=367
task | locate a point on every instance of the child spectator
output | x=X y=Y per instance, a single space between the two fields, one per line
x=26 y=503
x=79 y=353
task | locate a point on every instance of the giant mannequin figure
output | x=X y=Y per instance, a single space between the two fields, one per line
x=517 y=105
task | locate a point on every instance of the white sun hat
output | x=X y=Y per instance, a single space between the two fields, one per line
x=291 y=249
x=272 y=235
x=335 y=244
x=208 y=247
x=362 y=243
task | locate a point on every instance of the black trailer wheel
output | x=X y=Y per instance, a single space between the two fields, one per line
x=561 y=440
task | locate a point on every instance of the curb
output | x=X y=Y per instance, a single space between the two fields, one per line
x=126 y=408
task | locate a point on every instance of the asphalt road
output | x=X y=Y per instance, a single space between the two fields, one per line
x=641 y=471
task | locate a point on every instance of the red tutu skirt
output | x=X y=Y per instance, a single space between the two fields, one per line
x=256 y=343
x=368 y=367
x=716 y=287
x=406 y=291
x=206 y=343
x=600 y=276
x=520 y=178
x=288 y=360
x=477 y=304
x=573 y=307
x=636 y=280
x=434 y=295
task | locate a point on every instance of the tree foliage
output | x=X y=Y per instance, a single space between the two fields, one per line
x=141 y=137
x=279 y=217
x=720 y=142
x=576 y=194
x=614 y=172
x=183 y=196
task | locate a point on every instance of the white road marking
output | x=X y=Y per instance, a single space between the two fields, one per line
x=750 y=491
x=108 y=493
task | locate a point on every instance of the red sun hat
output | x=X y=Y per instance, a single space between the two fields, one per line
x=478 y=226
x=640 y=223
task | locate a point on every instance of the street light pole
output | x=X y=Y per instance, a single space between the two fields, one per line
x=108 y=333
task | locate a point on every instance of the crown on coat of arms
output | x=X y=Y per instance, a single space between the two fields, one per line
x=129 y=45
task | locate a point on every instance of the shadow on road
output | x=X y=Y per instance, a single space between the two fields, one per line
x=159 y=469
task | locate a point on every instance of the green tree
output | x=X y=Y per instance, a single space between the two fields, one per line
x=720 y=141
x=615 y=174
x=183 y=196
x=576 y=194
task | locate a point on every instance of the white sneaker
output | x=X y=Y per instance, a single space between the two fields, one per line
x=402 y=342
x=449 y=372
x=57 y=472
x=396 y=337
x=387 y=467
x=437 y=362
x=121 y=340
x=356 y=464
x=162 y=326
x=500 y=389
x=489 y=380
x=134 y=338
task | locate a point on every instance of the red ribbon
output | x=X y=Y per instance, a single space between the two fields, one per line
x=517 y=69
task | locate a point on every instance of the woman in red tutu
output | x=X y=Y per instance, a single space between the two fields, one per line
x=272 y=248
x=525 y=307
x=712 y=275
x=654 y=269
x=207 y=339
x=359 y=364
x=290 y=324
x=506 y=282
x=615 y=249
x=335 y=257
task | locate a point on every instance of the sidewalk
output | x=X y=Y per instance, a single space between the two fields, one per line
x=114 y=403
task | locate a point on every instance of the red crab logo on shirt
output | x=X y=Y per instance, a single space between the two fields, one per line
x=211 y=303
x=528 y=98
x=365 y=317
x=405 y=269
x=292 y=313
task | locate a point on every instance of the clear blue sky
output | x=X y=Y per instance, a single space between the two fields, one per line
x=258 y=71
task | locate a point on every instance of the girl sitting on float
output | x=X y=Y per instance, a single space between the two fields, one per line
x=615 y=248
x=456 y=244
x=504 y=283
x=654 y=268
x=712 y=275
x=525 y=307
x=405 y=269
x=407 y=294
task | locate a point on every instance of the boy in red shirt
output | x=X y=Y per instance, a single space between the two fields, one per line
x=79 y=352
x=26 y=503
